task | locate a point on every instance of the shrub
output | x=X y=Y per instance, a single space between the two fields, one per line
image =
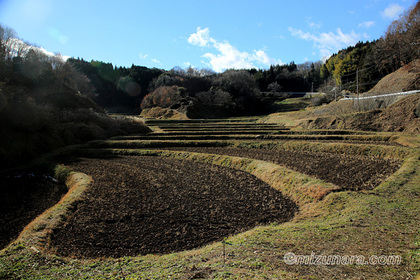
x=319 y=100
x=164 y=97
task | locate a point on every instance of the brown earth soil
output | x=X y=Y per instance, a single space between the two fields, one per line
x=24 y=196
x=403 y=116
x=345 y=171
x=141 y=205
x=404 y=79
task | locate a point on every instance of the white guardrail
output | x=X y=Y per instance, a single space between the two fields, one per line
x=382 y=96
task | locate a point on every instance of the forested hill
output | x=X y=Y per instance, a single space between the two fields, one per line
x=235 y=92
x=238 y=92
x=46 y=103
x=118 y=89
x=372 y=61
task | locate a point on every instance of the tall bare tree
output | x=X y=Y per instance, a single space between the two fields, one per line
x=401 y=42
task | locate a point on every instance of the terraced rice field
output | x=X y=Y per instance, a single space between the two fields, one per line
x=183 y=205
x=180 y=192
x=143 y=205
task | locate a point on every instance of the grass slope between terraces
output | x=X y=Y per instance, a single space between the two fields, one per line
x=378 y=222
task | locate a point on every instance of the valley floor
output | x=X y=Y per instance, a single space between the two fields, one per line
x=229 y=199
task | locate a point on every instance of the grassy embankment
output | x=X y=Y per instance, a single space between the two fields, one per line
x=383 y=221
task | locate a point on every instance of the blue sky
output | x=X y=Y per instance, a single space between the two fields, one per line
x=215 y=34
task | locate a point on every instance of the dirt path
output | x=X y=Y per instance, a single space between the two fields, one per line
x=142 y=205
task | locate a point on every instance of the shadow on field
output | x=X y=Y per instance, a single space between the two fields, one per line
x=25 y=195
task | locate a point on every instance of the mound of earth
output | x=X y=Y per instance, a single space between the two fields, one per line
x=402 y=116
x=404 y=79
x=144 y=205
x=163 y=113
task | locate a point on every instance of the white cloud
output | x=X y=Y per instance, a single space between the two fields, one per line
x=366 y=24
x=279 y=37
x=156 y=61
x=143 y=56
x=327 y=43
x=392 y=11
x=201 y=38
x=312 y=24
x=262 y=57
x=187 y=64
x=227 y=56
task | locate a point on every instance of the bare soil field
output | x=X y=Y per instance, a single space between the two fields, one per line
x=23 y=197
x=150 y=213
x=345 y=171
x=259 y=137
x=143 y=205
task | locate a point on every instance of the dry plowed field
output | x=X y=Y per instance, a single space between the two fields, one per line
x=345 y=171
x=143 y=205
x=217 y=199
x=149 y=204
x=23 y=197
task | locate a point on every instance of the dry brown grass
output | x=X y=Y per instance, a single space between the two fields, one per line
x=163 y=113
x=37 y=233
x=383 y=221
x=404 y=79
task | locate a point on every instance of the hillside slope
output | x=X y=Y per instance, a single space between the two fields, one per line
x=37 y=119
x=403 y=116
x=404 y=79
x=393 y=113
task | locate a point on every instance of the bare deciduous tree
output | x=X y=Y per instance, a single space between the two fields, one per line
x=401 y=42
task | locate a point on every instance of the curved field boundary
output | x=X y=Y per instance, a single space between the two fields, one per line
x=195 y=121
x=278 y=129
x=38 y=231
x=337 y=148
x=369 y=218
x=380 y=221
x=212 y=127
x=301 y=188
x=380 y=139
x=334 y=148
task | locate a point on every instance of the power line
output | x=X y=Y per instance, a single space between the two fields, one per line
x=353 y=83
x=361 y=70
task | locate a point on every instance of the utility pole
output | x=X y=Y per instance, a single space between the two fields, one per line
x=312 y=89
x=357 y=89
x=335 y=94
x=340 y=87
